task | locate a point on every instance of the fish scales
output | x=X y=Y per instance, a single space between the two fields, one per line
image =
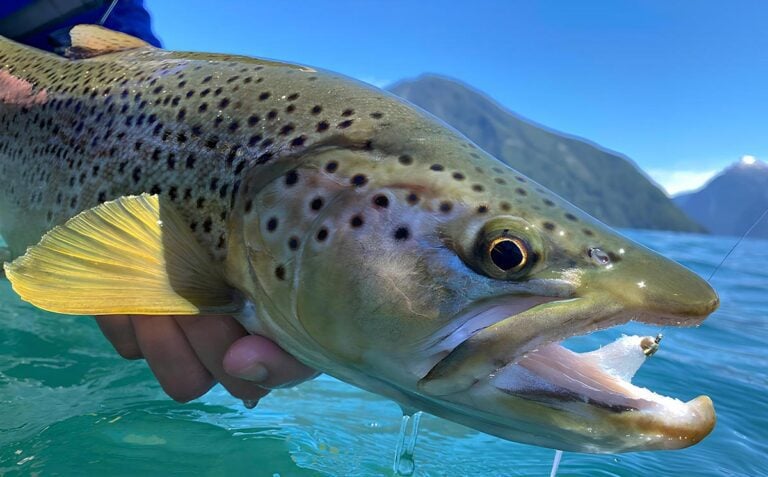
x=187 y=126
x=374 y=243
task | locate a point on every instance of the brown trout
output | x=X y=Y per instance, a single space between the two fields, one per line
x=364 y=236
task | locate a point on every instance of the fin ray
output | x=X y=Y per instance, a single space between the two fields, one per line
x=134 y=255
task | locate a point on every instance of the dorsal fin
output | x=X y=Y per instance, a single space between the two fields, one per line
x=93 y=40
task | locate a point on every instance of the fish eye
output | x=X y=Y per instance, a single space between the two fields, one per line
x=503 y=248
x=508 y=253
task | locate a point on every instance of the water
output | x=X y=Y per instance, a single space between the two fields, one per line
x=69 y=405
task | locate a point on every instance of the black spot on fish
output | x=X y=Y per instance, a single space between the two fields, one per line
x=322 y=234
x=272 y=224
x=356 y=221
x=136 y=175
x=402 y=233
x=291 y=178
x=358 y=180
x=316 y=204
x=212 y=142
x=437 y=167
x=280 y=272
x=381 y=201
x=446 y=206
x=287 y=129
x=331 y=167
x=405 y=160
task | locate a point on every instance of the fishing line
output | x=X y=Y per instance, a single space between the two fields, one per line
x=108 y=12
x=749 y=230
x=719 y=265
x=559 y=454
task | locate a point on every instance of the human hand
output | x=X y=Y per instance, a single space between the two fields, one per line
x=189 y=354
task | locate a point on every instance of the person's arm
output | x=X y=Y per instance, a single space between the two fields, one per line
x=189 y=354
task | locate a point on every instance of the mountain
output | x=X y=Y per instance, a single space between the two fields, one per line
x=731 y=202
x=602 y=183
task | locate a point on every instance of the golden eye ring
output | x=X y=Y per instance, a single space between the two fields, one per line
x=508 y=254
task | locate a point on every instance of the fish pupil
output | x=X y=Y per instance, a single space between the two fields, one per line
x=506 y=254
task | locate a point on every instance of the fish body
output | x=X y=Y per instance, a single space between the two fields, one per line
x=370 y=240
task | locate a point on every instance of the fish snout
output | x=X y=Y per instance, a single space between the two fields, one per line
x=661 y=291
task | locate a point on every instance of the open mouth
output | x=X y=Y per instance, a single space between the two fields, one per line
x=543 y=371
x=555 y=375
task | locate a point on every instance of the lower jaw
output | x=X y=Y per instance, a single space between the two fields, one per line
x=591 y=395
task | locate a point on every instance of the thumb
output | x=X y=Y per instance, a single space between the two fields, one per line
x=258 y=359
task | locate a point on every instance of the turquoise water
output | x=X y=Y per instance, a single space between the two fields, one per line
x=70 y=406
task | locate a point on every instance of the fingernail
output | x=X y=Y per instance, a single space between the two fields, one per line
x=249 y=403
x=255 y=372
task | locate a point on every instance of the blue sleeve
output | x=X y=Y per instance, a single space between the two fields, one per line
x=128 y=16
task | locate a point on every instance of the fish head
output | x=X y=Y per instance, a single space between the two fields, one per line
x=436 y=275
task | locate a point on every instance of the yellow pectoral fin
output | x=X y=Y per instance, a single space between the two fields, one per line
x=134 y=255
x=93 y=40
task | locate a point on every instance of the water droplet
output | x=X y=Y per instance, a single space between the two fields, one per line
x=406 y=443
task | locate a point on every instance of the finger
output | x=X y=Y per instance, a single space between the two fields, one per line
x=259 y=359
x=119 y=331
x=210 y=337
x=171 y=358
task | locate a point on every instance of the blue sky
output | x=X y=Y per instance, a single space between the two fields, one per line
x=681 y=87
